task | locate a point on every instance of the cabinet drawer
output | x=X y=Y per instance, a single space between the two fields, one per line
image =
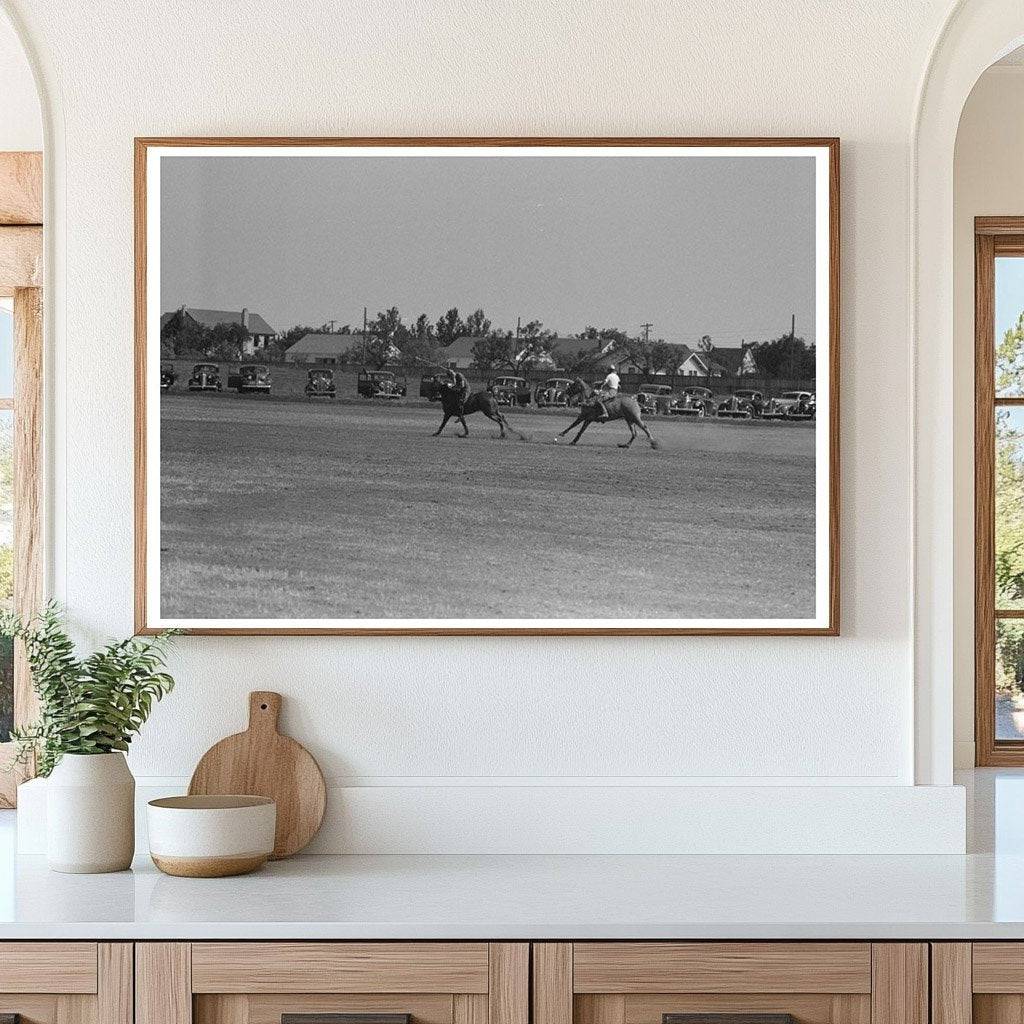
x=263 y=982
x=340 y=967
x=630 y=967
x=732 y=982
x=48 y=967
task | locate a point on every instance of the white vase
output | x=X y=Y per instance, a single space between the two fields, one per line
x=90 y=814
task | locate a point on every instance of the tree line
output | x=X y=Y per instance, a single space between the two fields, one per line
x=390 y=341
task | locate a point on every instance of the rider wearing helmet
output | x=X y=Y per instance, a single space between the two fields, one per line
x=609 y=389
x=458 y=381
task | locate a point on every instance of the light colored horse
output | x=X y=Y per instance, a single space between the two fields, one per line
x=622 y=407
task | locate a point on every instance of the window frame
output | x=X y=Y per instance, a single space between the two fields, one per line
x=21 y=260
x=993 y=237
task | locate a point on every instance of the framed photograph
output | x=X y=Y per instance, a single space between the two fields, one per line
x=487 y=386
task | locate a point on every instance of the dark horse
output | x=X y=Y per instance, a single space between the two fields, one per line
x=622 y=407
x=479 y=401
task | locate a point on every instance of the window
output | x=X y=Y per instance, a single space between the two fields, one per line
x=999 y=490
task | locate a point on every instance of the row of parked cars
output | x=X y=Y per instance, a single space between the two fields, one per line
x=249 y=377
x=255 y=378
x=744 y=404
x=654 y=399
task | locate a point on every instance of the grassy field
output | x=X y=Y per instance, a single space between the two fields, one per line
x=285 y=509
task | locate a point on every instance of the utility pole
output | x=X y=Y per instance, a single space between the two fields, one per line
x=364 y=337
x=646 y=328
x=792 y=346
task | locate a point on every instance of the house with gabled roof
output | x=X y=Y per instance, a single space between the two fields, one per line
x=261 y=333
x=329 y=349
x=688 y=362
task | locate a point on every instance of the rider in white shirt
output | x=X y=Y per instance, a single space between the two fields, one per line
x=609 y=389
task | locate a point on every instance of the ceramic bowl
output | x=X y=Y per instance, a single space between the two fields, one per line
x=211 y=836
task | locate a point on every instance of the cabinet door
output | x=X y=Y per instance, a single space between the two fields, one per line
x=66 y=982
x=332 y=983
x=734 y=982
x=981 y=982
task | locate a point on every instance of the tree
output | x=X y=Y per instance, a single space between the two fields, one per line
x=375 y=354
x=424 y=328
x=602 y=336
x=650 y=357
x=449 y=327
x=576 y=361
x=294 y=334
x=1009 y=479
x=183 y=336
x=534 y=344
x=495 y=351
x=787 y=356
x=420 y=354
x=477 y=325
x=227 y=342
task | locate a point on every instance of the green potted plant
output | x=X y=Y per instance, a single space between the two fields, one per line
x=89 y=710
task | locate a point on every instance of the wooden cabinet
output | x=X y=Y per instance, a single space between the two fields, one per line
x=980 y=982
x=649 y=982
x=261 y=982
x=66 y=982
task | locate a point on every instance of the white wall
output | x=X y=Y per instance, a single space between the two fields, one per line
x=443 y=713
x=988 y=181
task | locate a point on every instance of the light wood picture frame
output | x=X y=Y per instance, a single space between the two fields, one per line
x=217 y=553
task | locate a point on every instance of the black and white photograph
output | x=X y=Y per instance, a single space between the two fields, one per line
x=487 y=387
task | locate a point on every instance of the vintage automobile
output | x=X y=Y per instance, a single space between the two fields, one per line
x=552 y=392
x=430 y=387
x=790 y=405
x=380 y=384
x=699 y=402
x=510 y=390
x=205 y=377
x=320 y=384
x=167 y=376
x=655 y=398
x=251 y=377
x=741 y=405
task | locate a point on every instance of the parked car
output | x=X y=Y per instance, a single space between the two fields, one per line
x=552 y=392
x=699 y=402
x=742 y=405
x=205 y=377
x=167 y=376
x=320 y=384
x=251 y=377
x=790 y=405
x=380 y=384
x=430 y=387
x=655 y=398
x=510 y=390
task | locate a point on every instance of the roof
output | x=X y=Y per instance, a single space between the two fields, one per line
x=731 y=359
x=316 y=343
x=212 y=317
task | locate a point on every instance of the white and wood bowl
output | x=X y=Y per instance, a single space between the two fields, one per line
x=211 y=836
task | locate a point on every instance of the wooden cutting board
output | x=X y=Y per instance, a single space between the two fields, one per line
x=262 y=762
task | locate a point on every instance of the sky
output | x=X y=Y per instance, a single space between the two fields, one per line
x=694 y=245
x=1009 y=293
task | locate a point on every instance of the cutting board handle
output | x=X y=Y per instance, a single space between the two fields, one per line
x=264 y=710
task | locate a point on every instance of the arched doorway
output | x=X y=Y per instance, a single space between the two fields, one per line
x=976 y=33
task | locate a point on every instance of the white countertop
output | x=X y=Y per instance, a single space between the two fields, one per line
x=532 y=897
x=978 y=896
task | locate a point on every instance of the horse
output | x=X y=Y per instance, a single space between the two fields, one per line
x=479 y=401
x=621 y=407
